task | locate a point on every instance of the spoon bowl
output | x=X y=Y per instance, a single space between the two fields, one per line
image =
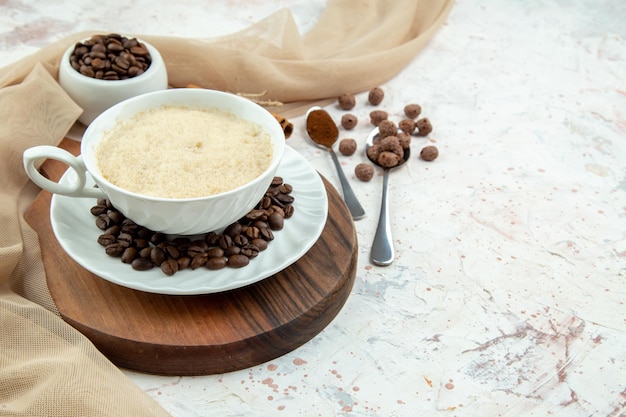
x=373 y=138
x=382 y=252
x=325 y=137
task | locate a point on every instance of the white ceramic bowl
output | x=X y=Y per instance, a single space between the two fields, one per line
x=95 y=96
x=186 y=216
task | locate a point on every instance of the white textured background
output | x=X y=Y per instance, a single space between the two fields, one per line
x=507 y=294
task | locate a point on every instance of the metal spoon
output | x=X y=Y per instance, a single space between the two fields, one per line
x=327 y=141
x=382 y=252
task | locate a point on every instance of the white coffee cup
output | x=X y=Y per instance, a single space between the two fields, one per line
x=183 y=216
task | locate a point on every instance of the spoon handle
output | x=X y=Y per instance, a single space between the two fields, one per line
x=356 y=210
x=382 y=249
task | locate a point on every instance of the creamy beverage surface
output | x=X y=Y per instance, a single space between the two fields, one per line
x=181 y=152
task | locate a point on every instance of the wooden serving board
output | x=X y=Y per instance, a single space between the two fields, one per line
x=202 y=334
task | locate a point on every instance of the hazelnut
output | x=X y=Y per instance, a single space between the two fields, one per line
x=424 y=127
x=392 y=144
x=373 y=152
x=346 y=101
x=387 y=128
x=376 y=96
x=429 y=153
x=389 y=142
x=347 y=146
x=388 y=159
x=364 y=171
x=378 y=116
x=404 y=139
x=412 y=110
x=349 y=121
x=407 y=125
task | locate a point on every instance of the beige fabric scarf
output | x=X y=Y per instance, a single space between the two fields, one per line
x=47 y=367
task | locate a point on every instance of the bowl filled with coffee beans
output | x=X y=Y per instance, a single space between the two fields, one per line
x=104 y=70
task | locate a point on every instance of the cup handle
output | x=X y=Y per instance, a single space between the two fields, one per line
x=76 y=188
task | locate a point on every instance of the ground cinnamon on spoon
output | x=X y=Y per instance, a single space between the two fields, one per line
x=322 y=128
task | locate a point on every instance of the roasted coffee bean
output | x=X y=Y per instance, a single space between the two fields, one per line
x=184 y=262
x=120 y=62
x=260 y=244
x=157 y=255
x=201 y=244
x=103 y=222
x=265 y=202
x=260 y=224
x=233 y=229
x=114 y=46
x=129 y=43
x=121 y=57
x=141 y=244
x=272 y=192
x=171 y=251
x=212 y=238
x=276 y=209
x=240 y=240
x=98 y=63
x=144 y=233
x=256 y=215
x=181 y=241
x=101 y=202
x=276 y=202
x=129 y=231
x=114 y=249
x=289 y=210
x=182 y=248
x=115 y=216
x=215 y=252
x=276 y=221
x=238 y=261
x=129 y=255
x=276 y=181
x=169 y=267
x=130 y=226
x=196 y=248
x=87 y=71
x=132 y=61
x=253 y=232
x=157 y=238
x=98 y=210
x=106 y=239
x=225 y=241
x=139 y=50
x=113 y=230
x=217 y=262
x=232 y=250
x=266 y=234
x=125 y=239
x=142 y=264
x=285 y=198
x=199 y=260
x=79 y=50
x=134 y=71
x=145 y=252
x=285 y=188
x=250 y=251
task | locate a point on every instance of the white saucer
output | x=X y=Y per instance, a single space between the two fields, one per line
x=75 y=229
